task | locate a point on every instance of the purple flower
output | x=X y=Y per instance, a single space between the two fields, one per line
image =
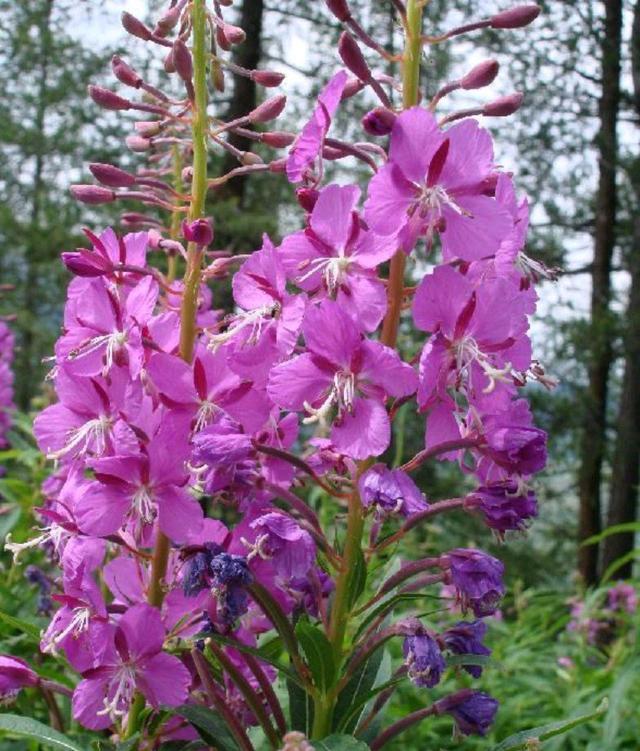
x=472 y=711
x=14 y=675
x=309 y=143
x=477 y=578
x=436 y=181
x=504 y=506
x=135 y=661
x=281 y=540
x=341 y=370
x=465 y=638
x=391 y=491
x=423 y=658
x=230 y=575
x=622 y=596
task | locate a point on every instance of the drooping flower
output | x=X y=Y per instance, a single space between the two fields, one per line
x=473 y=711
x=341 y=370
x=15 y=674
x=477 y=578
x=465 y=638
x=438 y=181
x=390 y=491
x=423 y=658
x=504 y=506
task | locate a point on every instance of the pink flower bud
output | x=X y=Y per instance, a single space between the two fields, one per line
x=307 y=198
x=125 y=73
x=182 y=60
x=154 y=239
x=187 y=174
x=352 y=87
x=352 y=57
x=108 y=99
x=481 y=75
x=277 y=139
x=515 y=18
x=167 y=21
x=135 y=27
x=200 y=231
x=93 y=194
x=249 y=159
x=148 y=128
x=168 y=63
x=340 y=9
x=234 y=34
x=504 y=106
x=379 y=121
x=278 y=165
x=267 y=78
x=221 y=39
x=137 y=143
x=86 y=263
x=269 y=109
x=110 y=175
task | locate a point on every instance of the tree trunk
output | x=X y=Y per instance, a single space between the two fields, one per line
x=623 y=501
x=594 y=422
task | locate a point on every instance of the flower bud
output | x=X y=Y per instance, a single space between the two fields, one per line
x=307 y=198
x=187 y=174
x=277 y=139
x=167 y=21
x=108 y=99
x=353 y=86
x=278 y=165
x=481 y=75
x=154 y=239
x=92 y=194
x=182 y=61
x=168 y=63
x=125 y=73
x=200 y=231
x=515 y=18
x=378 y=121
x=110 y=175
x=234 y=34
x=249 y=158
x=352 y=57
x=135 y=27
x=86 y=263
x=267 y=78
x=148 y=128
x=137 y=143
x=340 y=9
x=503 y=106
x=269 y=109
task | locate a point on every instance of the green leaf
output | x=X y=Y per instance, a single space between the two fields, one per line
x=28 y=728
x=358 y=579
x=19 y=625
x=352 y=719
x=518 y=741
x=211 y=727
x=345 y=717
x=130 y=744
x=340 y=743
x=319 y=655
x=300 y=708
x=619 y=563
x=616 y=529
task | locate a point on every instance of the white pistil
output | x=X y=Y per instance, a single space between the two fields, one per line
x=257 y=548
x=53 y=533
x=254 y=318
x=204 y=415
x=333 y=271
x=467 y=352
x=143 y=505
x=342 y=394
x=114 y=342
x=93 y=431
x=78 y=624
x=125 y=685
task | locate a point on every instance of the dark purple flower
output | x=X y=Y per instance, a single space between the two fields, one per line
x=477 y=578
x=230 y=574
x=472 y=711
x=466 y=639
x=282 y=541
x=391 y=491
x=14 y=675
x=503 y=506
x=423 y=658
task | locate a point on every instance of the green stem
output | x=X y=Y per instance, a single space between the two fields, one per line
x=341 y=608
x=189 y=308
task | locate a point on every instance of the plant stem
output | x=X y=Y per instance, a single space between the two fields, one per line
x=340 y=610
x=155 y=595
x=410 y=97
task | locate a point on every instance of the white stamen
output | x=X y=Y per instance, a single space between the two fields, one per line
x=254 y=318
x=93 y=431
x=125 y=685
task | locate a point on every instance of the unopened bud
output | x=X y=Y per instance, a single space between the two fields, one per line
x=249 y=158
x=340 y=9
x=481 y=75
x=267 y=78
x=108 y=99
x=379 y=121
x=110 y=175
x=277 y=139
x=135 y=219
x=200 y=231
x=135 y=27
x=125 y=73
x=268 y=110
x=168 y=64
x=352 y=57
x=353 y=86
x=148 y=128
x=234 y=34
x=278 y=165
x=182 y=61
x=93 y=194
x=515 y=18
x=167 y=21
x=221 y=39
x=85 y=263
x=154 y=238
x=307 y=198
x=137 y=143
x=504 y=106
x=187 y=174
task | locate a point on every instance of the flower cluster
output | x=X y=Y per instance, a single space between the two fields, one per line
x=188 y=443
x=600 y=622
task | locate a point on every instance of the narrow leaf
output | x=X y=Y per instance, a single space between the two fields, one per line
x=29 y=728
x=319 y=654
x=340 y=743
x=19 y=625
x=211 y=727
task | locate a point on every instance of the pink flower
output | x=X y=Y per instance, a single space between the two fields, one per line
x=437 y=181
x=134 y=661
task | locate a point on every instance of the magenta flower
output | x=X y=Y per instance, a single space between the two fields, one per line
x=342 y=371
x=309 y=143
x=109 y=250
x=437 y=181
x=279 y=539
x=336 y=256
x=390 y=491
x=477 y=578
x=504 y=506
x=14 y=675
x=423 y=658
x=135 y=661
